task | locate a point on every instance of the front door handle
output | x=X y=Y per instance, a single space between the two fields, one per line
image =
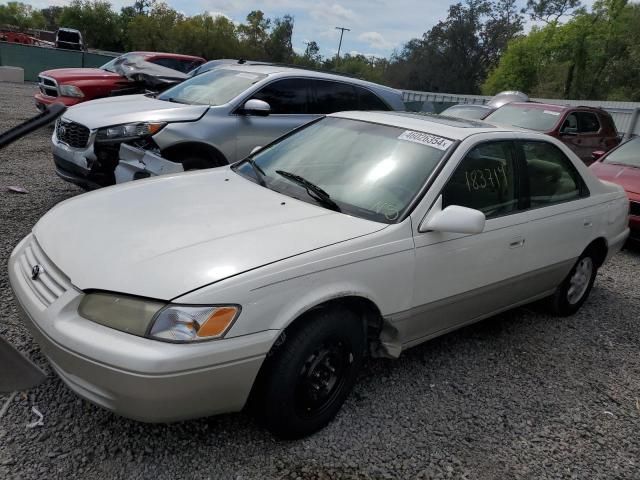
x=517 y=243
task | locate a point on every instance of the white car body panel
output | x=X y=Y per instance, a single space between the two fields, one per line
x=158 y=235
x=213 y=237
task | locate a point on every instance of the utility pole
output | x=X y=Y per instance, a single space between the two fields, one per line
x=342 y=29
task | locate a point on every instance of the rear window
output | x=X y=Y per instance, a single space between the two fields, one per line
x=627 y=154
x=533 y=118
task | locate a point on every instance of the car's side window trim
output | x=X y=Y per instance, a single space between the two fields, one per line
x=237 y=109
x=517 y=172
x=575 y=174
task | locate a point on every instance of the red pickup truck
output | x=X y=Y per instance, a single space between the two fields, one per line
x=70 y=86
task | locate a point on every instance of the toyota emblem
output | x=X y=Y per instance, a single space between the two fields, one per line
x=36 y=271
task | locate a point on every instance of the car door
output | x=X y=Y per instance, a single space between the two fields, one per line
x=289 y=102
x=560 y=216
x=590 y=136
x=460 y=277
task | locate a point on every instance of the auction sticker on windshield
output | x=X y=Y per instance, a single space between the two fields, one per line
x=426 y=139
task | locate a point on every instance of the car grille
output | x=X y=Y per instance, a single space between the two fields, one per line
x=72 y=133
x=634 y=209
x=50 y=283
x=48 y=86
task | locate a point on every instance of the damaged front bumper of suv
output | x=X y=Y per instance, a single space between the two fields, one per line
x=137 y=163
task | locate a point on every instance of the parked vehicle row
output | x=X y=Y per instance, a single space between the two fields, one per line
x=209 y=120
x=71 y=86
x=343 y=227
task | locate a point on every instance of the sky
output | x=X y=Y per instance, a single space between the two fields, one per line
x=377 y=26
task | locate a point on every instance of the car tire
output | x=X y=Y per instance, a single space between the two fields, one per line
x=575 y=288
x=307 y=378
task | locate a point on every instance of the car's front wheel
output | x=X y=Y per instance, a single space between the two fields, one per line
x=308 y=377
x=575 y=288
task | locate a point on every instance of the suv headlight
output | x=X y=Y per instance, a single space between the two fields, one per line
x=70 y=91
x=158 y=320
x=128 y=131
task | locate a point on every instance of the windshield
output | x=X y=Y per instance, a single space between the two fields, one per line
x=370 y=171
x=216 y=87
x=470 y=113
x=110 y=65
x=526 y=117
x=627 y=154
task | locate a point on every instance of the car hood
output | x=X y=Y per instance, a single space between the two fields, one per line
x=167 y=236
x=625 y=176
x=65 y=75
x=131 y=108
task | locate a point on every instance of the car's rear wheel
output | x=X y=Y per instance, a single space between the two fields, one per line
x=575 y=288
x=307 y=378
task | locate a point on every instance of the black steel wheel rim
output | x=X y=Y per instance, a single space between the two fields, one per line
x=321 y=377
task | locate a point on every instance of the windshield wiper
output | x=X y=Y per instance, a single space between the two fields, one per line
x=259 y=172
x=312 y=189
x=175 y=100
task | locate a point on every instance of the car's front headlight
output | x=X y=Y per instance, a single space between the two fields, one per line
x=128 y=131
x=158 y=320
x=70 y=91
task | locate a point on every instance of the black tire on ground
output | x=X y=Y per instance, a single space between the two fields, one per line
x=305 y=381
x=575 y=288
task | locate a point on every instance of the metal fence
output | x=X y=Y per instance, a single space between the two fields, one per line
x=35 y=59
x=625 y=114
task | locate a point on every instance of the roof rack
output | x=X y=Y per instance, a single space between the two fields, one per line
x=300 y=67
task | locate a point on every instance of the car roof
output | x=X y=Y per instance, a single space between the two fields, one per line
x=283 y=70
x=441 y=125
x=470 y=105
x=165 y=54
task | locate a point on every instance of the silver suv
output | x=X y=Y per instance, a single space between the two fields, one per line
x=210 y=120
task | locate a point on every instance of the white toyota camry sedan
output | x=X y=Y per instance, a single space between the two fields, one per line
x=264 y=284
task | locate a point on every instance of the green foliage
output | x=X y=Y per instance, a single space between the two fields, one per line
x=455 y=55
x=17 y=14
x=99 y=24
x=593 y=56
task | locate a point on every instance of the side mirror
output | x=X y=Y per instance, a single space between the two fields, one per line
x=453 y=219
x=256 y=107
x=255 y=149
x=597 y=154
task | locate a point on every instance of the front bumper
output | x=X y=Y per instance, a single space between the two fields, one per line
x=43 y=101
x=80 y=166
x=136 y=163
x=135 y=377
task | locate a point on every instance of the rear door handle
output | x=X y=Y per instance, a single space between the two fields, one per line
x=517 y=243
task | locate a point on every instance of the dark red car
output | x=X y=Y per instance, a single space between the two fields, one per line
x=582 y=129
x=622 y=166
x=70 y=86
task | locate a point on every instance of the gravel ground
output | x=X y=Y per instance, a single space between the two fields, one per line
x=521 y=395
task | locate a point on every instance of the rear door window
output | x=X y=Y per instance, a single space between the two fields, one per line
x=588 y=122
x=333 y=97
x=288 y=96
x=552 y=178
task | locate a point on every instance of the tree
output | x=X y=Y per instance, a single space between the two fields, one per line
x=22 y=16
x=155 y=30
x=592 y=56
x=51 y=15
x=278 y=45
x=99 y=24
x=456 y=54
x=254 y=34
x=550 y=11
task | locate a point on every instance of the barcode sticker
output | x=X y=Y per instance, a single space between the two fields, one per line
x=549 y=112
x=426 y=139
